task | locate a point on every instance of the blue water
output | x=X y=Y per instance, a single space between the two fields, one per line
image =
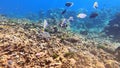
x=24 y=7
x=51 y=9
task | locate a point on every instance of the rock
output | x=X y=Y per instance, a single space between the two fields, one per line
x=72 y=49
x=117 y=50
x=10 y=62
x=117 y=53
x=99 y=65
x=45 y=35
x=17 y=56
x=41 y=54
x=72 y=61
x=94 y=52
x=62 y=59
x=48 y=60
x=56 y=65
x=72 y=40
x=112 y=64
x=85 y=32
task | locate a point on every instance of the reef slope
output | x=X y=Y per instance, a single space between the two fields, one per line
x=22 y=47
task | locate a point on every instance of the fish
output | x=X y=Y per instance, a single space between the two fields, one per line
x=55 y=29
x=70 y=19
x=69 y=4
x=81 y=15
x=93 y=15
x=63 y=23
x=45 y=24
x=64 y=11
x=95 y=5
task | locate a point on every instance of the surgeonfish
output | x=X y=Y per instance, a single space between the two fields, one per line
x=95 y=5
x=70 y=19
x=64 y=11
x=68 y=4
x=81 y=15
x=93 y=15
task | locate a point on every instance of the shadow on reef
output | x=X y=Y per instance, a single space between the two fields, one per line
x=113 y=28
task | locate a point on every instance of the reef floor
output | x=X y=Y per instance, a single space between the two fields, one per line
x=23 y=46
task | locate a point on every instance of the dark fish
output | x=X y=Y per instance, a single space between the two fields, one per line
x=55 y=29
x=93 y=15
x=63 y=12
x=68 y=4
x=63 y=24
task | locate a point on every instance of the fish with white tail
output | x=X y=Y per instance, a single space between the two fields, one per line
x=95 y=5
x=82 y=15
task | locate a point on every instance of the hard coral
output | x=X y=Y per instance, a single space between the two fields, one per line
x=26 y=47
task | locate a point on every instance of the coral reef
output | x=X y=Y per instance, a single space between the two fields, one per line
x=23 y=45
x=113 y=28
